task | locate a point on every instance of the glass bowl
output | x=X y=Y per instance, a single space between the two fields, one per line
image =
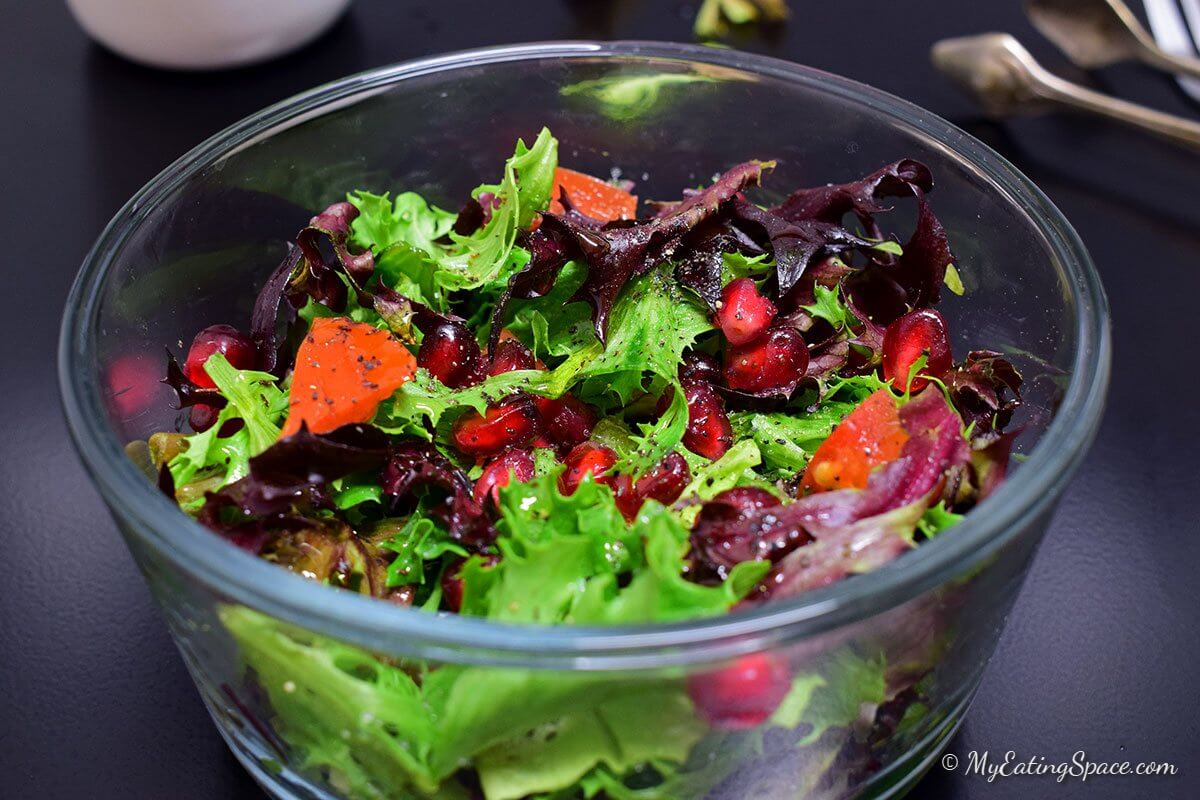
x=310 y=685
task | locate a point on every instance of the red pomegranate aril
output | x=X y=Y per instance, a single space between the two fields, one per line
x=510 y=424
x=629 y=502
x=568 y=419
x=742 y=695
x=224 y=339
x=666 y=480
x=663 y=482
x=917 y=333
x=451 y=355
x=744 y=313
x=510 y=356
x=772 y=364
x=496 y=475
x=700 y=367
x=584 y=459
x=708 y=430
x=203 y=416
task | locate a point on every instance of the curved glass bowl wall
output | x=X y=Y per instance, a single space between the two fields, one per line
x=302 y=680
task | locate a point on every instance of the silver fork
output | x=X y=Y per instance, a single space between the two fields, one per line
x=1176 y=28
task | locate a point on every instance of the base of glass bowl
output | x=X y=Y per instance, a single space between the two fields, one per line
x=282 y=783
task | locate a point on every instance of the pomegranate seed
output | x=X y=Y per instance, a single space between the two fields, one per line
x=512 y=464
x=510 y=356
x=708 y=430
x=542 y=441
x=666 y=480
x=568 y=419
x=510 y=424
x=918 y=333
x=628 y=500
x=587 y=458
x=224 y=339
x=772 y=364
x=700 y=367
x=451 y=355
x=743 y=694
x=203 y=416
x=744 y=313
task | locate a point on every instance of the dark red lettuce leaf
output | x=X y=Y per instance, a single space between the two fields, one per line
x=317 y=277
x=413 y=468
x=188 y=393
x=921 y=270
x=985 y=388
x=795 y=244
x=830 y=203
x=402 y=315
x=549 y=252
x=624 y=249
x=264 y=320
x=990 y=454
x=701 y=257
x=851 y=530
x=291 y=477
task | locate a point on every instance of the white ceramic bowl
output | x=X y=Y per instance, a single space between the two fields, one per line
x=204 y=34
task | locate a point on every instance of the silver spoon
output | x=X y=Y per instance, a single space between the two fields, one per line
x=1008 y=81
x=1097 y=33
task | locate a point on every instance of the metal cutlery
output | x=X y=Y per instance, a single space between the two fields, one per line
x=1097 y=33
x=1007 y=81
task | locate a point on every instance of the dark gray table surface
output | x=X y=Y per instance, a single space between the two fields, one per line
x=1101 y=652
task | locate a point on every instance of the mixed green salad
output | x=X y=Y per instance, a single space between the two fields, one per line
x=562 y=405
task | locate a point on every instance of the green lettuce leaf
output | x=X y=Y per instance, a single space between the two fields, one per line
x=485 y=257
x=645 y=725
x=252 y=397
x=415 y=541
x=342 y=709
x=562 y=556
x=829 y=306
x=834 y=696
x=408 y=220
x=936 y=519
x=788 y=440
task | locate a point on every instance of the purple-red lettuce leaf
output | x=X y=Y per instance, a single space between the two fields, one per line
x=985 y=388
x=265 y=323
x=292 y=476
x=319 y=278
x=830 y=203
x=878 y=519
x=795 y=244
x=624 y=249
x=921 y=270
x=188 y=393
x=413 y=466
x=701 y=266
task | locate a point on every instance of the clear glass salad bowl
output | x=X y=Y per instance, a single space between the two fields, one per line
x=296 y=675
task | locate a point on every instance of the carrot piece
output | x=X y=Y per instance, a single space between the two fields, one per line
x=870 y=435
x=591 y=196
x=344 y=369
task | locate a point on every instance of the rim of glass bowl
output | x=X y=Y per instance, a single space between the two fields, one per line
x=243 y=578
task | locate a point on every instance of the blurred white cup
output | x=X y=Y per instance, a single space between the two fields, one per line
x=204 y=34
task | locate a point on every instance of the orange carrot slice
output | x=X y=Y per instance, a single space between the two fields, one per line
x=591 y=196
x=344 y=369
x=870 y=435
